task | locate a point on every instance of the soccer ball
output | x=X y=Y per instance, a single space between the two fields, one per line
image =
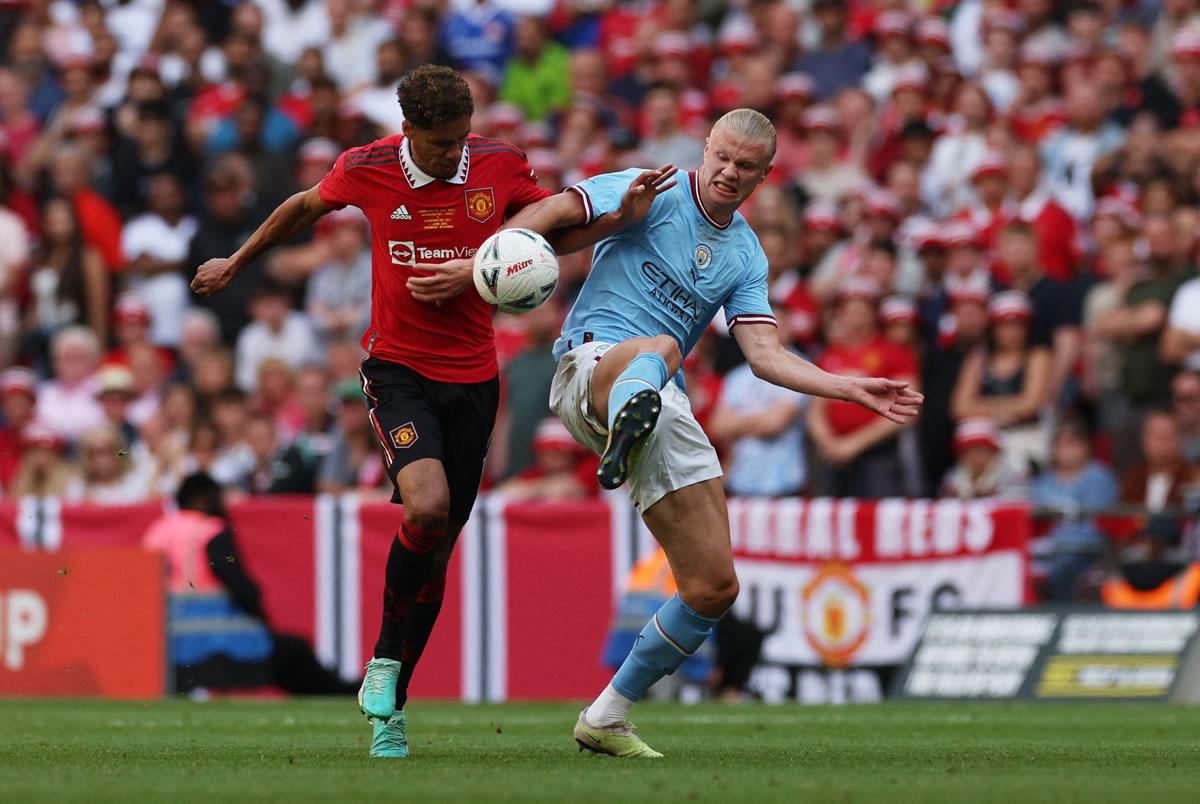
x=515 y=270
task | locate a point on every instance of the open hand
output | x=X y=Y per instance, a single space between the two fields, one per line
x=436 y=282
x=213 y=276
x=636 y=202
x=891 y=399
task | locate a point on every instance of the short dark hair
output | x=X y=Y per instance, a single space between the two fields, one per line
x=199 y=492
x=431 y=96
x=270 y=288
x=154 y=110
x=886 y=246
x=1020 y=227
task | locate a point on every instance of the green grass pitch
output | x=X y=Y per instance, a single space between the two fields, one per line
x=181 y=751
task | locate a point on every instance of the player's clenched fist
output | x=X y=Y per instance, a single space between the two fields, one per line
x=213 y=276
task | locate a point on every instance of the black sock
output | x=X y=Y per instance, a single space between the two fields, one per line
x=417 y=629
x=408 y=566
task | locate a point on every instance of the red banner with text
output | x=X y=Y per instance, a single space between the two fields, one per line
x=839 y=586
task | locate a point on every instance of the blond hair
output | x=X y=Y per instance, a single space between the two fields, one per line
x=750 y=124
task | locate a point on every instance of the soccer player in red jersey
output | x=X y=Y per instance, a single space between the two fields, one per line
x=431 y=196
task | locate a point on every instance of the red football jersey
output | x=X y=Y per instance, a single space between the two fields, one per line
x=417 y=218
x=877 y=357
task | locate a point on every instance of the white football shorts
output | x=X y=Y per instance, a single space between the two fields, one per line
x=677 y=453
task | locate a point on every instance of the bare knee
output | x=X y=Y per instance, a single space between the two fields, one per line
x=712 y=595
x=666 y=346
x=429 y=511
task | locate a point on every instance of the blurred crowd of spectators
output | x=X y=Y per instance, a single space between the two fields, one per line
x=996 y=200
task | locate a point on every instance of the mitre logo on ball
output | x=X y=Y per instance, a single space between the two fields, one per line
x=515 y=269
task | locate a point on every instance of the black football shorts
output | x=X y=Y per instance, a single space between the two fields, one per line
x=415 y=417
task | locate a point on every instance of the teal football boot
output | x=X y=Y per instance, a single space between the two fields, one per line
x=389 y=738
x=377 y=695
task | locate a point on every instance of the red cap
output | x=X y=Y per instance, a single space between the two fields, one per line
x=976 y=291
x=1078 y=52
x=18 y=380
x=994 y=163
x=738 y=38
x=976 y=432
x=899 y=310
x=795 y=85
x=858 y=287
x=1037 y=55
x=149 y=63
x=553 y=434
x=536 y=135
x=933 y=31
x=957 y=234
x=822 y=215
x=672 y=45
x=823 y=118
x=893 y=23
x=885 y=203
x=1003 y=19
x=319 y=149
x=911 y=76
x=1186 y=44
x=693 y=103
x=505 y=115
x=130 y=307
x=1010 y=305
x=75 y=61
x=1119 y=208
x=346 y=216
x=923 y=234
x=544 y=160
x=86 y=120
x=36 y=434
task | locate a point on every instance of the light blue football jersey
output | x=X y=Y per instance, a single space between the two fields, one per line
x=668 y=274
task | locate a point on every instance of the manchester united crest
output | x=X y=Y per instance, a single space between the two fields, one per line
x=404 y=436
x=481 y=204
x=837 y=618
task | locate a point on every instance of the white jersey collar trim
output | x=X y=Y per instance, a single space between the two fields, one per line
x=418 y=178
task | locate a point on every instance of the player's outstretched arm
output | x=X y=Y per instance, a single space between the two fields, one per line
x=289 y=219
x=561 y=219
x=894 y=400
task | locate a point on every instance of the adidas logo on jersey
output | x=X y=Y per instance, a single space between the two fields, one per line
x=400 y=213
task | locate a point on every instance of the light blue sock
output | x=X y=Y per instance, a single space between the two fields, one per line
x=673 y=634
x=647 y=370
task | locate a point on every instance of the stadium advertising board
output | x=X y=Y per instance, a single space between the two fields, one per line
x=83 y=621
x=1056 y=654
x=840 y=587
x=843 y=588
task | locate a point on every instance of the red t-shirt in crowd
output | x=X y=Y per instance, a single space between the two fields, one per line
x=877 y=357
x=11 y=450
x=416 y=218
x=1057 y=236
x=100 y=226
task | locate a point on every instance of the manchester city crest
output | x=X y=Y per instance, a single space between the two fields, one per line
x=703 y=256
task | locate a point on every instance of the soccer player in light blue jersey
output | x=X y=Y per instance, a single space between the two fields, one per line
x=683 y=254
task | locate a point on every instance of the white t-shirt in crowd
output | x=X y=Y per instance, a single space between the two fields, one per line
x=167 y=293
x=69 y=410
x=295 y=344
x=1184 y=315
